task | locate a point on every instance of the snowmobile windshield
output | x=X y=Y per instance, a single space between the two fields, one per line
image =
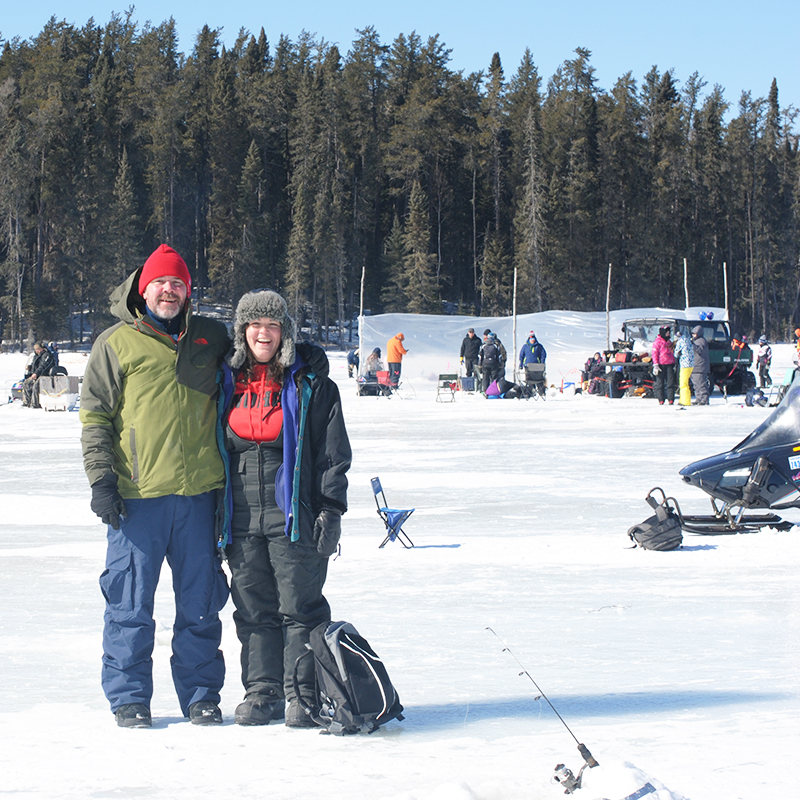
x=782 y=427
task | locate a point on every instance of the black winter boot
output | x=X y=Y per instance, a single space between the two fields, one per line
x=133 y=715
x=259 y=710
x=296 y=716
x=204 y=712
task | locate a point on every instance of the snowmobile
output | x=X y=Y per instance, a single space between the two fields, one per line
x=761 y=472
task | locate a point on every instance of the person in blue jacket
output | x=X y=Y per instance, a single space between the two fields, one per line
x=532 y=352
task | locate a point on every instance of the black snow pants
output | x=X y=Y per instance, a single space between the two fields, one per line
x=277 y=589
x=664 y=387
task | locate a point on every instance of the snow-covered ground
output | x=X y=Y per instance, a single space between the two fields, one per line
x=676 y=668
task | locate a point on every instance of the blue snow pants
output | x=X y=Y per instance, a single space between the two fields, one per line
x=180 y=529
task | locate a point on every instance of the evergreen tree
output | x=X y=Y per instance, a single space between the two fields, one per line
x=124 y=232
x=15 y=189
x=299 y=165
x=529 y=225
x=254 y=223
x=571 y=132
x=496 y=277
x=624 y=193
x=161 y=95
x=227 y=154
x=394 y=295
x=420 y=264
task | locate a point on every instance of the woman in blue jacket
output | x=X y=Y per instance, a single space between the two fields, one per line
x=288 y=455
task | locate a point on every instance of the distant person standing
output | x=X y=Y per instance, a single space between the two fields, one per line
x=470 y=348
x=532 y=352
x=352 y=362
x=684 y=352
x=490 y=361
x=763 y=361
x=502 y=353
x=664 y=366
x=394 y=358
x=702 y=366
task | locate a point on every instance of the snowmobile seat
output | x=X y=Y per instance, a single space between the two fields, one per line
x=393 y=518
x=446 y=388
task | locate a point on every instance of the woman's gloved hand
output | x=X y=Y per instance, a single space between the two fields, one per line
x=328 y=531
x=315 y=357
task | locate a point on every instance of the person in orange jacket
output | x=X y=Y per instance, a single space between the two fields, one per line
x=394 y=357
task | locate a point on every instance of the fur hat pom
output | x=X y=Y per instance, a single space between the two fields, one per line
x=253 y=306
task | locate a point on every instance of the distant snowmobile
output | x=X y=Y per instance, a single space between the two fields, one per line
x=761 y=472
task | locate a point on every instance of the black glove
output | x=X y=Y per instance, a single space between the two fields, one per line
x=328 y=531
x=315 y=357
x=107 y=503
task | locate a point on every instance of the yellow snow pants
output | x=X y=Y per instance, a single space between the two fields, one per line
x=685 y=397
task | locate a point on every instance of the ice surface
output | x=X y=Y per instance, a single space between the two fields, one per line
x=677 y=668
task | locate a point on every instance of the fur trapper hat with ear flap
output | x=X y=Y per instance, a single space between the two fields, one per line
x=253 y=306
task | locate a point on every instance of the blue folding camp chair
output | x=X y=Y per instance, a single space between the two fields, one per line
x=393 y=518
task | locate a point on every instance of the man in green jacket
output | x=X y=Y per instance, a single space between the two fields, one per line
x=148 y=408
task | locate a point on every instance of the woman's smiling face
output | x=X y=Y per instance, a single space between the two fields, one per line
x=263 y=337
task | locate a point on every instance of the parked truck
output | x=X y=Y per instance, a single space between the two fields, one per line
x=729 y=355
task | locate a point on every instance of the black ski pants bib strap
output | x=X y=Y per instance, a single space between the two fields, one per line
x=277 y=589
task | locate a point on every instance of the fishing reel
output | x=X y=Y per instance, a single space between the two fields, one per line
x=567 y=778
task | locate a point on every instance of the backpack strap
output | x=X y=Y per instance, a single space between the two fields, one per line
x=304 y=704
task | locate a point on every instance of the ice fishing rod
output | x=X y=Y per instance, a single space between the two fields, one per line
x=563 y=775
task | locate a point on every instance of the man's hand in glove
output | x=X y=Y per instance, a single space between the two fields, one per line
x=107 y=503
x=327 y=531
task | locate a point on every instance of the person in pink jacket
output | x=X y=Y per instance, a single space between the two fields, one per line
x=664 y=366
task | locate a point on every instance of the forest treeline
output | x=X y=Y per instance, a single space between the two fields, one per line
x=293 y=166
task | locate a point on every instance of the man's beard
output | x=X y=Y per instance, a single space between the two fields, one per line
x=168 y=312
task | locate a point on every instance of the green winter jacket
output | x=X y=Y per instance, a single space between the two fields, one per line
x=148 y=404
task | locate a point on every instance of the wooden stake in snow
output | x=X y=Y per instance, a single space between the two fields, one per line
x=686 y=283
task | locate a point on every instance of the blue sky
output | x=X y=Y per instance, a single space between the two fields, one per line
x=740 y=46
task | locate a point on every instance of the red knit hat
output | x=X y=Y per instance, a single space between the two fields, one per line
x=163 y=262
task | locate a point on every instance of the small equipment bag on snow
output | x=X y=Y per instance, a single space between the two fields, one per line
x=662 y=531
x=353 y=690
